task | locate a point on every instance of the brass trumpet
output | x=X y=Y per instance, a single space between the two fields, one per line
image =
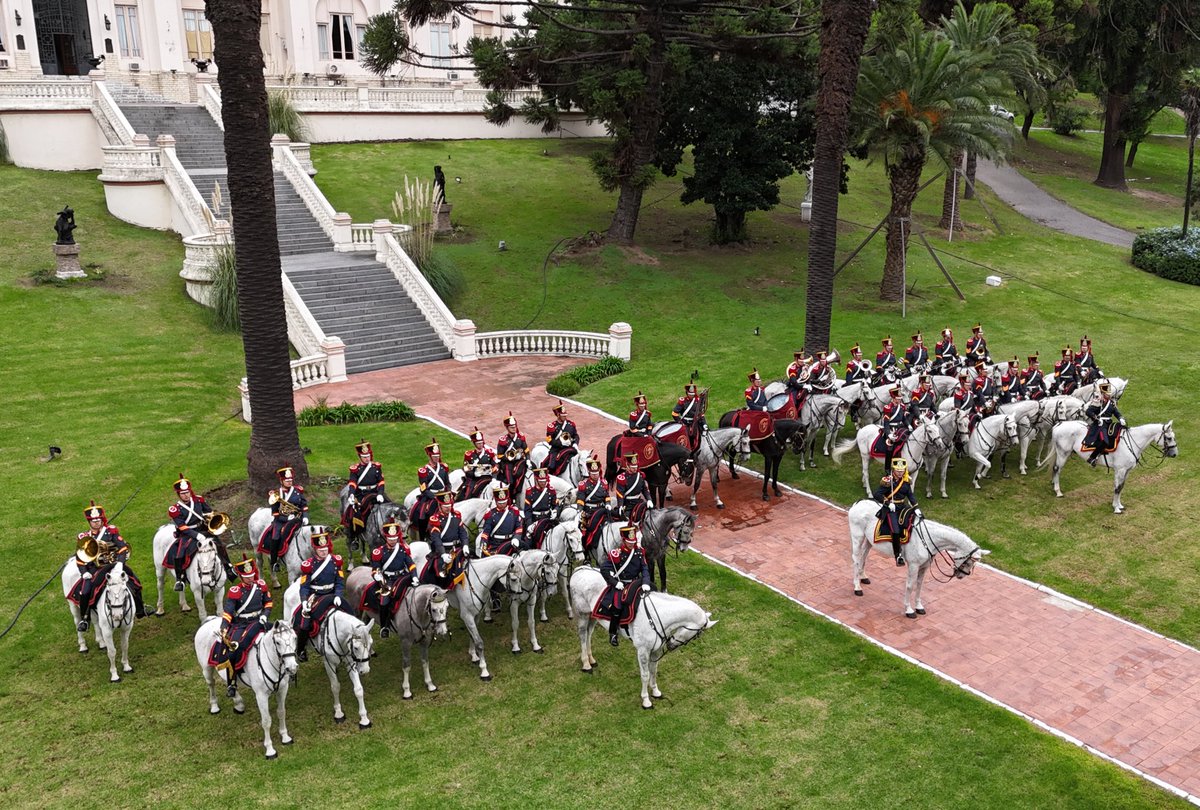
x=217 y=523
x=285 y=507
x=91 y=550
x=513 y=454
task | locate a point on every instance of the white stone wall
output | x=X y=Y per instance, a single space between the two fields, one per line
x=381 y=126
x=67 y=140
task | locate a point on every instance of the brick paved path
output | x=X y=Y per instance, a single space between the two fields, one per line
x=1122 y=691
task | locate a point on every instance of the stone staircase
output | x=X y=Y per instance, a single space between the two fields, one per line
x=353 y=297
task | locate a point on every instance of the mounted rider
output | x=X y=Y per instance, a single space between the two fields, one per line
x=563 y=438
x=1011 y=387
x=479 y=467
x=1104 y=423
x=945 y=354
x=322 y=581
x=886 y=364
x=632 y=491
x=977 y=348
x=541 y=504
x=366 y=486
x=923 y=401
x=893 y=425
x=985 y=390
x=190 y=515
x=501 y=530
x=898 y=507
x=512 y=452
x=964 y=400
x=628 y=577
x=289 y=511
x=857 y=370
x=1066 y=373
x=797 y=371
x=245 y=615
x=1033 y=382
x=916 y=356
x=449 y=545
x=432 y=478
x=820 y=376
x=756 y=394
x=97 y=551
x=640 y=420
x=1085 y=363
x=592 y=500
x=689 y=412
x=394 y=571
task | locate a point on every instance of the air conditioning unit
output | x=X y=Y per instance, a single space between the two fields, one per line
x=452 y=76
x=3 y=62
x=331 y=70
x=134 y=67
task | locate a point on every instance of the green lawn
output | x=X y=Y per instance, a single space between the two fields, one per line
x=773 y=708
x=1066 y=167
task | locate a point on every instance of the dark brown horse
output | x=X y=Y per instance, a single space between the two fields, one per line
x=772 y=449
x=670 y=456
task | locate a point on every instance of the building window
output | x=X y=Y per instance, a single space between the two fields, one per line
x=361 y=32
x=322 y=41
x=198 y=34
x=482 y=27
x=127 y=31
x=439 y=45
x=343 y=40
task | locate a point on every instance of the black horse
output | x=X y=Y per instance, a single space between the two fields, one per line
x=772 y=449
x=670 y=455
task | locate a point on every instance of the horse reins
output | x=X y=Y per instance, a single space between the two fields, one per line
x=668 y=642
x=936 y=554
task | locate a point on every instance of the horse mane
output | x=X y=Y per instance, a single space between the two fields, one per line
x=956 y=536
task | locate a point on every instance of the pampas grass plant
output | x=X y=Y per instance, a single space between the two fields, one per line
x=5 y=158
x=413 y=205
x=283 y=116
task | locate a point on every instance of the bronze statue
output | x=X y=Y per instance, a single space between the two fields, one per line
x=439 y=185
x=64 y=225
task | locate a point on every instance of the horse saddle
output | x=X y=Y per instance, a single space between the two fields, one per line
x=760 y=423
x=246 y=637
x=97 y=590
x=284 y=543
x=620 y=605
x=645 y=447
x=1105 y=443
x=887 y=538
x=879 y=446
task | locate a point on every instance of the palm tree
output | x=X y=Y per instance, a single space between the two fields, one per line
x=844 y=25
x=924 y=98
x=1190 y=103
x=1005 y=49
x=274 y=439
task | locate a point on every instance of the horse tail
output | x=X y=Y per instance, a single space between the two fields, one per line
x=842 y=448
x=1051 y=452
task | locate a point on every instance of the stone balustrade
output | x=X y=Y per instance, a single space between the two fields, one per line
x=547 y=341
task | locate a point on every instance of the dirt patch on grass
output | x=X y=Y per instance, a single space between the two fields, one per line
x=1156 y=196
x=636 y=255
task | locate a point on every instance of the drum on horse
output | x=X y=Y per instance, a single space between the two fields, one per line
x=419 y=619
x=656 y=464
x=343 y=641
x=114 y=611
x=205 y=574
x=370 y=535
x=270 y=668
x=954 y=428
x=564 y=541
x=950 y=552
x=924 y=438
x=299 y=550
x=660 y=529
x=771 y=446
x=995 y=433
x=1131 y=446
x=663 y=623
x=825 y=412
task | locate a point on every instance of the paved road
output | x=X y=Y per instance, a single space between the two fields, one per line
x=1022 y=194
x=1121 y=691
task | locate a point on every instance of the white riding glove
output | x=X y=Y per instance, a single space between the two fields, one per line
x=516 y=543
x=87 y=575
x=918 y=513
x=291 y=517
x=415 y=580
x=351 y=500
x=337 y=601
x=445 y=559
x=265 y=621
x=645 y=589
x=378 y=577
x=1122 y=423
x=378 y=499
x=620 y=586
x=304 y=520
x=891 y=507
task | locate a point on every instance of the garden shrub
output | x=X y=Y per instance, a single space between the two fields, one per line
x=346 y=413
x=570 y=382
x=1168 y=253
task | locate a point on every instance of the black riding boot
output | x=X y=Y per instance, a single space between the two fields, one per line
x=896 y=552
x=275 y=543
x=614 y=629
x=301 y=644
x=138 y=605
x=223 y=553
x=85 y=612
x=1094 y=457
x=180 y=574
x=385 y=616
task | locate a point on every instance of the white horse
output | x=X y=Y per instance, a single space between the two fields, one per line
x=474 y=508
x=531 y=573
x=270 y=668
x=576 y=469
x=564 y=541
x=664 y=622
x=205 y=574
x=714 y=445
x=1086 y=392
x=821 y=412
x=114 y=613
x=343 y=641
x=924 y=438
x=299 y=550
x=1069 y=437
x=952 y=425
x=928 y=540
x=992 y=433
x=1034 y=418
x=70 y=575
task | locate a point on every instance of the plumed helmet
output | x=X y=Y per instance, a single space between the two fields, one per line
x=640 y=399
x=476 y=435
x=446 y=496
x=753 y=376
x=391 y=531
x=94 y=511
x=245 y=567
x=182 y=485
x=321 y=539
x=285 y=473
x=560 y=409
x=629 y=534
x=510 y=420
x=363 y=449
x=500 y=494
x=593 y=464
x=433 y=448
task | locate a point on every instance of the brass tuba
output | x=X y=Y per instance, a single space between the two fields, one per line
x=217 y=523
x=512 y=453
x=833 y=358
x=89 y=549
x=285 y=507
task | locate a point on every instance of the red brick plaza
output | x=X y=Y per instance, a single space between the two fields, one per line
x=1122 y=691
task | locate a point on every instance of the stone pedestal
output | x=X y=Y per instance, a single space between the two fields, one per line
x=67 y=257
x=441 y=218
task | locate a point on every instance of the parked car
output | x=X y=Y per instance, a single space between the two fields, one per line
x=996 y=109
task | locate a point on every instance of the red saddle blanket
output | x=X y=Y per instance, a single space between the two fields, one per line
x=284 y=543
x=97 y=591
x=616 y=604
x=645 y=447
x=760 y=423
x=878 y=450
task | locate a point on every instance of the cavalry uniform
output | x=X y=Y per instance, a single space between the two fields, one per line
x=1085 y=363
x=432 y=478
x=511 y=453
x=592 y=500
x=977 y=348
x=885 y=364
x=394 y=571
x=1033 y=382
x=563 y=438
x=945 y=353
x=893 y=425
x=640 y=420
x=820 y=378
x=924 y=401
x=632 y=491
x=797 y=370
x=540 y=503
x=857 y=369
x=449 y=546
x=479 y=466
x=916 y=357
x=1011 y=388
x=244 y=616
x=1066 y=374
x=190 y=514
x=985 y=392
x=628 y=577
x=501 y=530
x=964 y=400
x=688 y=412
x=322 y=581
x=289 y=511
x=756 y=395
x=111 y=549
x=898 y=507
x=366 y=486
x=1104 y=424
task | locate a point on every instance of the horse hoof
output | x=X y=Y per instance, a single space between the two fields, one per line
x=273 y=755
x=488 y=620
x=339 y=720
x=115 y=679
x=647 y=705
x=485 y=677
x=187 y=609
x=858 y=592
x=865 y=580
x=920 y=611
x=432 y=688
x=288 y=741
x=766 y=497
x=945 y=497
x=517 y=652
x=407 y=696
x=160 y=612
x=910 y=615
x=127 y=668
x=214 y=709
x=365 y=725
x=1058 y=494
x=540 y=650
x=778 y=492
x=83 y=650
x=545 y=620
x=720 y=506
x=587 y=671
x=236 y=710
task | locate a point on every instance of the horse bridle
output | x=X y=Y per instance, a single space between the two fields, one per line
x=538 y=577
x=667 y=641
x=935 y=555
x=347 y=656
x=278 y=679
x=126 y=604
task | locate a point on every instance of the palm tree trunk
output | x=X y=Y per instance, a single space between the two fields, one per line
x=274 y=439
x=952 y=194
x=904 y=177
x=1187 y=193
x=972 y=166
x=844 y=25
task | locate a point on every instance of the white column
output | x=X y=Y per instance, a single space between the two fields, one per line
x=382 y=228
x=464 y=340
x=335 y=358
x=342 y=238
x=620 y=336
x=361 y=87
x=806 y=206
